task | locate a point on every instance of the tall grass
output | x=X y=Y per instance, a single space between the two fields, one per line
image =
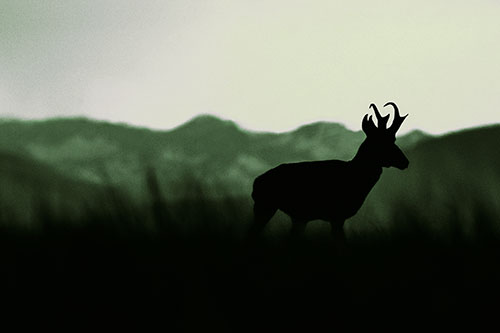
x=183 y=265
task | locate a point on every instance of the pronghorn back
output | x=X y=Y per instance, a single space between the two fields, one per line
x=327 y=190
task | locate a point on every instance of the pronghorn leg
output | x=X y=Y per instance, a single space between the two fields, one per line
x=338 y=235
x=262 y=214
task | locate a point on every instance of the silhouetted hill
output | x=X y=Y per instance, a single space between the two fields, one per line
x=215 y=152
x=411 y=139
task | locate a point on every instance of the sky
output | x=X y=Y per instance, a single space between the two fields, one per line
x=269 y=65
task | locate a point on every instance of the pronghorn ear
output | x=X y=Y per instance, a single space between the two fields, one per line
x=368 y=125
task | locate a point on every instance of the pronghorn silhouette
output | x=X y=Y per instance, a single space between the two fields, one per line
x=330 y=190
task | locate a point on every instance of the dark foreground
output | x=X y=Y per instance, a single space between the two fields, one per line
x=142 y=269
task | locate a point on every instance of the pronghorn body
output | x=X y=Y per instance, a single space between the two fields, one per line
x=329 y=190
x=321 y=194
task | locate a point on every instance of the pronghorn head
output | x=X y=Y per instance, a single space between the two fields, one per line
x=380 y=141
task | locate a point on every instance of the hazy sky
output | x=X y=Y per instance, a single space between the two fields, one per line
x=267 y=64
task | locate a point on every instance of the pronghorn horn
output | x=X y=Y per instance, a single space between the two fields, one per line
x=382 y=121
x=368 y=125
x=398 y=120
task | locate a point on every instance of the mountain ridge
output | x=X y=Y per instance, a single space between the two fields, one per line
x=212 y=150
x=199 y=119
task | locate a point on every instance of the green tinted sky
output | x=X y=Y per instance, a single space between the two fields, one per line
x=269 y=65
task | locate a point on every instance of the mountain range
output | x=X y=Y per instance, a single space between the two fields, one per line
x=215 y=152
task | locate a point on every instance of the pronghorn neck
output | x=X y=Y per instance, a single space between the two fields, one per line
x=366 y=159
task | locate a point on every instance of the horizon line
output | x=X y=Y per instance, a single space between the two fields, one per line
x=4 y=118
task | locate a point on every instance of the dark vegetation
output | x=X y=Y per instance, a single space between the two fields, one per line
x=424 y=249
x=185 y=266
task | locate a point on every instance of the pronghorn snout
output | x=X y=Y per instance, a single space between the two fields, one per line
x=402 y=163
x=406 y=164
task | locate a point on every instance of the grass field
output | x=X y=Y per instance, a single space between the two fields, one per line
x=184 y=266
